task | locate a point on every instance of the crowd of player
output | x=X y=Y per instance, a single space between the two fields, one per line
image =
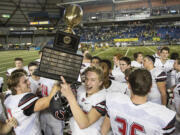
x=137 y=97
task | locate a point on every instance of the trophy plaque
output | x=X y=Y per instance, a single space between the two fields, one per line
x=61 y=59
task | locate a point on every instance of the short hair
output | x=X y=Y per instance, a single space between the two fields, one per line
x=150 y=58
x=19 y=70
x=118 y=55
x=136 y=55
x=96 y=57
x=13 y=81
x=174 y=56
x=33 y=63
x=126 y=59
x=108 y=62
x=88 y=56
x=18 y=59
x=178 y=60
x=140 y=81
x=128 y=71
x=165 y=48
x=97 y=70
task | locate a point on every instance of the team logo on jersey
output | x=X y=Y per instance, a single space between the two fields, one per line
x=83 y=99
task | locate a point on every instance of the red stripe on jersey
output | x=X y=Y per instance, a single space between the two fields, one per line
x=26 y=100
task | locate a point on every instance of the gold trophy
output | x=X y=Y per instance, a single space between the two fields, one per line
x=68 y=40
x=62 y=60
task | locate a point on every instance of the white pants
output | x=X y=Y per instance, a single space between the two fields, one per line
x=50 y=125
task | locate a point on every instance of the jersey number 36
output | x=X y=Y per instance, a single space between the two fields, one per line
x=134 y=127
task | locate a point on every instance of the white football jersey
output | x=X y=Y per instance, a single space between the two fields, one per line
x=27 y=125
x=171 y=79
x=166 y=67
x=84 y=66
x=119 y=76
x=2 y=112
x=136 y=64
x=43 y=84
x=176 y=100
x=38 y=60
x=117 y=87
x=157 y=76
x=1 y=81
x=87 y=103
x=156 y=56
x=144 y=119
x=115 y=70
x=10 y=70
x=177 y=77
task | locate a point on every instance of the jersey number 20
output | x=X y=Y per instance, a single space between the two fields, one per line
x=133 y=128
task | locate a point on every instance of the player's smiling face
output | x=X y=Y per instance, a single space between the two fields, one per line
x=123 y=65
x=19 y=64
x=92 y=82
x=164 y=54
x=23 y=85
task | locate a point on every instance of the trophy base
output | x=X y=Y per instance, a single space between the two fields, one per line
x=55 y=63
x=66 y=41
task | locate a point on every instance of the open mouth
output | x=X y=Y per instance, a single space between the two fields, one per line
x=88 y=87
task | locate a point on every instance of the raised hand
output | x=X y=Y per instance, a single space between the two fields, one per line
x=66 y=89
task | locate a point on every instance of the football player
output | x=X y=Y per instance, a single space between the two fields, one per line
x=176 y=91
x=42 y=87
x=165 y=64
x=89 y=107
x=24 y=105
x=124 y=63
x=158 y=89
x=18 y=65
x=111 y=85
x=95 y=61
x=134 y=115
x=138 y=60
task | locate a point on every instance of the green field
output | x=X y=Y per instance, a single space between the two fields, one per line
x=7 y=60
x=7 y=57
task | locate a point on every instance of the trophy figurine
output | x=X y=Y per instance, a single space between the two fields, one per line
x=61 y=59
x=67 y=39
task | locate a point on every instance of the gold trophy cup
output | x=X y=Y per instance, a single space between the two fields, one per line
x=62 y=60
x=67 y=39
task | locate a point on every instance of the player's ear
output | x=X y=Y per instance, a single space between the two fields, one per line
x=129 y=86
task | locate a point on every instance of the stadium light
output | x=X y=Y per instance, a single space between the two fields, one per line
x=123 y=1
x=11 y=29
x=6 y=15
x=74 y=2
x=40 y=23
x=29 y=43
x=43 y=22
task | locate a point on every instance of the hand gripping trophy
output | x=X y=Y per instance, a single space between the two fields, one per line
x=61 y=59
